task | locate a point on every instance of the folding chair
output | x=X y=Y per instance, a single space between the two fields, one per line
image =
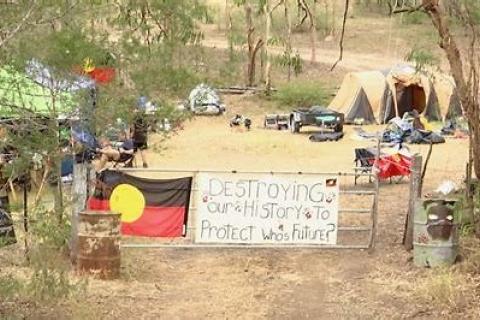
x=364 y=160
x=125 y=161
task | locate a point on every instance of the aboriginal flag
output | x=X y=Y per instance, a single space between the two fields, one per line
x=149 y=207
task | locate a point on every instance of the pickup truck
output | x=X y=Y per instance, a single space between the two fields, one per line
x=316 y=116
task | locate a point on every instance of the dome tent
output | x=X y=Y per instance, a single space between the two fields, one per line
x=378 y=96
x=205 y=100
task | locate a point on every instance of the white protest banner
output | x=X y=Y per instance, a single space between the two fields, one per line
x=264 y=208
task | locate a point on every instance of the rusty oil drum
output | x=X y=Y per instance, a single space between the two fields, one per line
x=435 y=233
x=99 y=244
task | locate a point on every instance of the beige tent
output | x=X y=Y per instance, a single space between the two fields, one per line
x=377 y=96
x=448 y=99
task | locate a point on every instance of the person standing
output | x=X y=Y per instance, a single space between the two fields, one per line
x=140 y=135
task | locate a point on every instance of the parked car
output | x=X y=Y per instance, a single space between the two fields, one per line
x=316 y=116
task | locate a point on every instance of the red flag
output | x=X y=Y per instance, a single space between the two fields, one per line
x=102 y=75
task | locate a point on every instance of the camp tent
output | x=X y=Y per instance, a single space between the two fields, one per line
x=449 y=101
x=378 y=96
x=20 y=95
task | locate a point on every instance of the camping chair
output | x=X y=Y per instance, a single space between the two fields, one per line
x=364 y=160
x=125 y=161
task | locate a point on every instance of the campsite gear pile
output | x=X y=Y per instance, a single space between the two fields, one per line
x=238 y=120
x=457 y=128
x=388 y=165
x=326 y=136
x=409 y=129
x=205 y=100
x=393 y=165
x=146 y=105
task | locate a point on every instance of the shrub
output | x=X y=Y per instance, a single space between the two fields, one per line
x=300 y=94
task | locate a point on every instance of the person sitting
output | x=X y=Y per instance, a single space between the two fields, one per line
x=109 y=153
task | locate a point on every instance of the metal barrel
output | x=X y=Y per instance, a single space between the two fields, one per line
x=99 y=244
x=435 y=239
x=431 y=253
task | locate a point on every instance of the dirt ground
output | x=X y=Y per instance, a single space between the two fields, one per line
x=275 y=283
x=272 y=283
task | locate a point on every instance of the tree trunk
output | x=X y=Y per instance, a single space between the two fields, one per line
x=229 y=28
x=79 y=198
x=313 y=28
x=288 y=42
x=467 y=93
x=251 y=57
x=228 y=18
x=268 y=23
x=253 y=46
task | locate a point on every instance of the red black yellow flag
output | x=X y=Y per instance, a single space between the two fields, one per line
x=149 y=207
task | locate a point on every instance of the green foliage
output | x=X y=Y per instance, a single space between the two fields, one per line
x=422 y=58
x=300 y=94
x=10 y=286
x=50 y=228
x=67 y=48
x=161 y=21
x=48 y=284
x=229 y=70
x=294 y=62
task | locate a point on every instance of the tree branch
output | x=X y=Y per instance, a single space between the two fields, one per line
x=409 y=9
x=345 y=14
x=19 y=26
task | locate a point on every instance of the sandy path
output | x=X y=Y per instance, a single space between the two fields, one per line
x=352 y=61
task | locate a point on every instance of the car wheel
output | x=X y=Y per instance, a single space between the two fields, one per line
x=338 y=127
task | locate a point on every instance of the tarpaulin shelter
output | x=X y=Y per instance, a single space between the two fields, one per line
x=44 y=76
x=20 y=95
x=378 y=96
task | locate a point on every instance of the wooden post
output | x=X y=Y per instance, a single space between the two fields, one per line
x=374 y=215
x=79 y=199
x=414 y=195
x=268 y=23
x=25 y=219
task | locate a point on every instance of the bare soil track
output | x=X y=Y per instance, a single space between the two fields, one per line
x=275 y=283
